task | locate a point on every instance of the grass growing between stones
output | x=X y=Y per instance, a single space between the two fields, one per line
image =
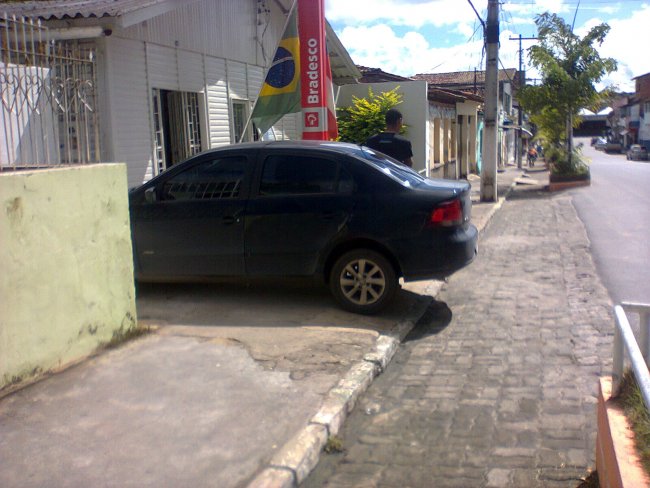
x=334 y=445
x=637 y=415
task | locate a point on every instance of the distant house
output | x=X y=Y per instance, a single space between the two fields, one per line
x=474 y=82
x=629 y=117
x=621 y=116
x=469 y=81
x=377 y=75
x=593 y=124
x=172 y=78
x=443 y=124
x=642 y=97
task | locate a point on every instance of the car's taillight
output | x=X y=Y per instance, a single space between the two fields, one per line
x=447 y=214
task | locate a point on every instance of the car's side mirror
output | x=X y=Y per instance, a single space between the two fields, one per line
x=150 y=195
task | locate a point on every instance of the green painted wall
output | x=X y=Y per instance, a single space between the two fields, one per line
x=66 y=284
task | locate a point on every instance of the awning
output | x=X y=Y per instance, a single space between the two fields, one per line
x=524 y=132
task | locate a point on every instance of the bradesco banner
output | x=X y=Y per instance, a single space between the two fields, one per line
x=313 y=79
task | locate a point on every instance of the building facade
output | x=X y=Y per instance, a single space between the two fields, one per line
x=642 y=97
x=474 y=82
x=175 y=78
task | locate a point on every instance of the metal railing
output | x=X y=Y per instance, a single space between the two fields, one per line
x=47 y=97
x=625 y=341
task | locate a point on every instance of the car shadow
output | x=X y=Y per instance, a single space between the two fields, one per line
x=435 y=319
x=262 y=305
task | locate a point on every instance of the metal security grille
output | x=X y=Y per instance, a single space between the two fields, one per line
x=48 y=95
x=177 y=126
x=159 y=132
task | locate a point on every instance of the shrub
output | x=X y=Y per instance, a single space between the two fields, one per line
x=559 y=162
x=365 y=117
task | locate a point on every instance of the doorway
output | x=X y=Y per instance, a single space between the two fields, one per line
x=177 y=126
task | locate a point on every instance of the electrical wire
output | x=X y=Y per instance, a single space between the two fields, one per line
x=574 y=16
x=477 y=14
x=468 y=40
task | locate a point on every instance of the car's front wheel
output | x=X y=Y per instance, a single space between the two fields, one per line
x=363 y=281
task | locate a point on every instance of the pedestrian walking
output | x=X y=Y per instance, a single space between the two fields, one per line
x=532 y=156
x=390 y=142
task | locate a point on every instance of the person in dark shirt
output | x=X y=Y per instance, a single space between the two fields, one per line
x=390 y=142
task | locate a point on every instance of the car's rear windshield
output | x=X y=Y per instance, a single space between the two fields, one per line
x=394 y=169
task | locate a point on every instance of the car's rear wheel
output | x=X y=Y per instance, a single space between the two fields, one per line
x=363 y=281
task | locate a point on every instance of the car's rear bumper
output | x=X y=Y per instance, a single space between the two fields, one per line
x=450 y=252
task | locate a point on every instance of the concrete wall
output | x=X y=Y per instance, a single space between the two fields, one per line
x=67 y=269
x=414 y=108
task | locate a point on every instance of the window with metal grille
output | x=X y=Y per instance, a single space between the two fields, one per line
x=239 y=118
x=216 y=179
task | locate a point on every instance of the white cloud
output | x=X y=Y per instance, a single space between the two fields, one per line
x=389 y=34
x=403 y=13
x=626 y=43
x=468 y=31
x=380 y=47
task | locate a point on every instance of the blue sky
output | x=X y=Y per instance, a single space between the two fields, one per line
x=434 y=36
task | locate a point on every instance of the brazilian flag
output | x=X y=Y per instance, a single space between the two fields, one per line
x=280 y=93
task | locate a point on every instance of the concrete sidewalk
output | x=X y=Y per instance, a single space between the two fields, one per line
x=236 y=386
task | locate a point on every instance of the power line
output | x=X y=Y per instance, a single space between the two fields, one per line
x=575 y=15
x=477 y=14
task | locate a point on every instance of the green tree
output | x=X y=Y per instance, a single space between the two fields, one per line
x=365 y=117
x=570 y=67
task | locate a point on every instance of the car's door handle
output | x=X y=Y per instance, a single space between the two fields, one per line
x=233 y=218
x=329 y=215
x=229 y=219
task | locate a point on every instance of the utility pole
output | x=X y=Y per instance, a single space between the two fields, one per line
x=522 y=81
x=491 y=116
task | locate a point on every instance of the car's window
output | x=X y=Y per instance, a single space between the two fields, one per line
x=298 y=174
x=346 y=182
x=394 y=169
x=214 y=179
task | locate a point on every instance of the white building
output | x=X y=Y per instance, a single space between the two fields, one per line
x=174 y=77
x=442 y=125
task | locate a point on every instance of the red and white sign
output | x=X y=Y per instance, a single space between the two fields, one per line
x=315 y=76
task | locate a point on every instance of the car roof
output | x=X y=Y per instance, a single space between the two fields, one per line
x=287 y=144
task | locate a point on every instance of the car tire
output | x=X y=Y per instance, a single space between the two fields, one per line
x=363 y=281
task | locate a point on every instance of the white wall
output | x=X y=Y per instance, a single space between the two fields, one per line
x=132 y=69
x=217 y=48
x=126 y=120
x=220 y=28
x=414 y=108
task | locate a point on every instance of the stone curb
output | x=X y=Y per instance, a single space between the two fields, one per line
x=295 y=460
x=299 y=456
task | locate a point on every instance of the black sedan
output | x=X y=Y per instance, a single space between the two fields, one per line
x=345 y=214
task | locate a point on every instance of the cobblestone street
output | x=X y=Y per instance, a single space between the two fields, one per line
x=498 y=386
